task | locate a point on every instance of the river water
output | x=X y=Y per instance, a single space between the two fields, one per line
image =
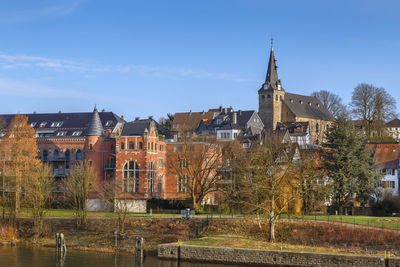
x=43 y=257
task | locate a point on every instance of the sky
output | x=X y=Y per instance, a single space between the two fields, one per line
x=150 y=58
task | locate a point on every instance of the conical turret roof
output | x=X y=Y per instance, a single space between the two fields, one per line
x=95 y=127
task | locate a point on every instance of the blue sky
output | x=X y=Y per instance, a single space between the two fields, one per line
x=141 y=58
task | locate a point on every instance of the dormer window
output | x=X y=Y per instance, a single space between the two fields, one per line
x=76 y=133
x=317 y=104
x=301 y=101
x=56 y=124
x=291 y=100
x=309 y=103
x=63 y=133
x=109 y=123
x=42 y=124
x=33 y=124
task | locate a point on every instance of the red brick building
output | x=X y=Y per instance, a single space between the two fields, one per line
x=131 y=154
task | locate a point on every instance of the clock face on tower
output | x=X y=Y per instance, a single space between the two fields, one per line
x=265 y=86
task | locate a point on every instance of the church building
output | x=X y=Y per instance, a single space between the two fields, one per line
x=277 y=106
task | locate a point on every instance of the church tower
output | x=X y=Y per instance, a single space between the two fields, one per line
x=270 y=96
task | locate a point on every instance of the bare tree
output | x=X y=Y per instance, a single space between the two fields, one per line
x=37 y=194
x=109 y=192
x=266 y=180
x=332 y=102
x=196 y=165
x=373 y=106
x=78 y=186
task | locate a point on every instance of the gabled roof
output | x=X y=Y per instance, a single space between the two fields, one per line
x=190 y=121
x=307 y=106
x=393 y=123
x=138 y=127
x=387 y=155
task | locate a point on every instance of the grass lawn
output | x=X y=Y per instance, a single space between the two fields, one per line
x=381 y=222
x=244 y=242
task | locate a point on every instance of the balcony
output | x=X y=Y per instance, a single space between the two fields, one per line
x=109 y=166
x=57 y=159
x=60 y=173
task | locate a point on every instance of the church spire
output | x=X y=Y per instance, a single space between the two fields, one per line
x=271 y=79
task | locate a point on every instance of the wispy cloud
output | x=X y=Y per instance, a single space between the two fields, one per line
x=30 y=89
x=33 y=89
x=9 y=62
x=64 y=8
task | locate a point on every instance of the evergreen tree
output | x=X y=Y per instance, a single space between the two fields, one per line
x=349 y=164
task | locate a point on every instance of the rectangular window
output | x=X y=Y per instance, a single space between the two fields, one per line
x=90 y=146
x=182 y=183
x=388 y=184
x=122 y=145
x=183 y=163
x=90 y=163
x=131 y=145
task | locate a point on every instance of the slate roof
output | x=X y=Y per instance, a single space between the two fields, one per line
x=138 y=127
x=307 y=106
x=231 y=126
x=70 y=123
x=393 y=123
x=300 y=127
x=387 y=155
x=95 y=128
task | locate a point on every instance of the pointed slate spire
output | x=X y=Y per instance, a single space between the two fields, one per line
x=271 y=79
x=95 y=127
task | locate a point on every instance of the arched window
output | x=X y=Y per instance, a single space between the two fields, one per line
x=152 y=176
x=67 y=154
x=45 y=154
x=317 y=127
x=131 y=145
x=131 y=177
x=79 y=155
x=122 y=146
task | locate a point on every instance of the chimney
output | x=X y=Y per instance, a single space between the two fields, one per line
x=150 y=117
x=220 y=108
x=137 y=118
x=234 y=118
x=225 y=110
x=240 y=112
x=204 y=112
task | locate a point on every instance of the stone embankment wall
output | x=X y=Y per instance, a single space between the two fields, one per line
x=266 y=257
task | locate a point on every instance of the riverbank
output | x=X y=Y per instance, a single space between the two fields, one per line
x=250 y=233
x=98 y=234
x=264 y=257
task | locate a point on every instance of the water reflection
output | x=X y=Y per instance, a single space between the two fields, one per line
x=43 y=257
